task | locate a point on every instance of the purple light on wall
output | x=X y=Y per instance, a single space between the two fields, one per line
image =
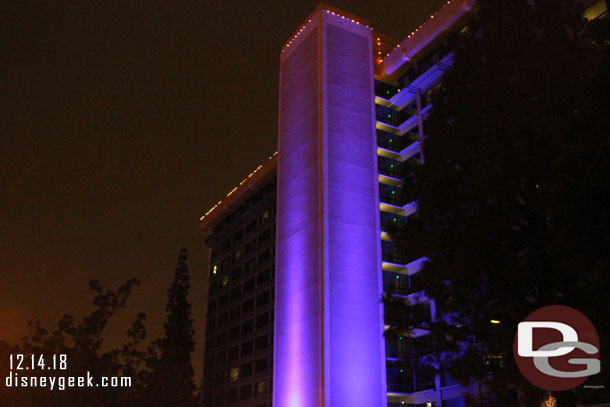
x=329 y=348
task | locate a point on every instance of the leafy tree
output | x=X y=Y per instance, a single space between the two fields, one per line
x=82 y=343
x=515 y=190
x=171 y=383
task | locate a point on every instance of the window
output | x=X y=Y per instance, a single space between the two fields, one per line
x=245 y=392
x=264 y=256
x=215 y=269
x=261 y=387
x=248 y=305
x=266 y=216
x=249 y=285
x=234 y=332
x=251 y=264
x=236 y=294
x=236 y=273
x=251 y=227
x=262 y=299
x=237 y=255
x=596 y=10
x=212 y=306
x=220 y=357
x=262 y=320
x=250 y=246
x=231 y=395
x=234 y=313
x=226 y=245
x=261 y=342
x=263 y=277
x=222 y=319
x=233 y=353
x=223 y=300
x=225 y=281
x=247 y=327
x=264 y=236
x=234 y=374
x=246 y=370
x=238 y=236
x=246 y=349
x=221 y=339
x=260 y=365
x=220 y=378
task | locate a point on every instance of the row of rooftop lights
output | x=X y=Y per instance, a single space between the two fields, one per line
x=417 y=29
x=287 y=45
x=235 y=189
x=309 y=21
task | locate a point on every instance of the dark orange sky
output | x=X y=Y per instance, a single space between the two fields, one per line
x=121 y=123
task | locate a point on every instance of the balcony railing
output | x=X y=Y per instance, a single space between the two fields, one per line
x=385 y=90
x=394 y=142
x=393 y=117
x=401 y=284
x=390 y=167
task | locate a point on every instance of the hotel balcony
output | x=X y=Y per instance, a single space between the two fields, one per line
x=394 y=142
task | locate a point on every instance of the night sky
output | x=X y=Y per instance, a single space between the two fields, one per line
x=121 y=123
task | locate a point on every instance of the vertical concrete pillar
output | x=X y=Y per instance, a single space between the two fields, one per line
x=329 y=347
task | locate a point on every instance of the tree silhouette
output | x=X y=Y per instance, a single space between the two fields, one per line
x=172 y=374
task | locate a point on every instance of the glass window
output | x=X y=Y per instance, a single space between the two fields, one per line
x=261 y=387
x=250 y=246
x=264 y=236
x=233 y=353
x=261 y=342
x=231 y=395
x=262 y=320
x=247 y=327
x=246 y=349
x=266 y=216
x=262 y=299
x=251 y=227
x=249 y=285
x=264 y=256
x=234 y=332
x=245 y=392
x=248 y=305
x=246 y=370
x=234 y=374
x=260 y=365
x=263 y=277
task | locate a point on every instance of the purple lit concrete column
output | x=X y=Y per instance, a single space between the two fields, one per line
x=329 y=348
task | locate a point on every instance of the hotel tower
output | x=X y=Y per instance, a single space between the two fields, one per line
x=302 y=249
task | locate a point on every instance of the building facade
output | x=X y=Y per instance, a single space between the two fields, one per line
x=303 y=249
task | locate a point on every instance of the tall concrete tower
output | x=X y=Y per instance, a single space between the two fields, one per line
x=329 y=347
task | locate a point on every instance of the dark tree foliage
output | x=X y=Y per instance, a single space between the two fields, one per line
x=161 y=373
x=82 y=343
x=515 y=190
x=172 y=378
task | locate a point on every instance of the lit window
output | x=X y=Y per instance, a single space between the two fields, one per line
x=596 y=10
x=215 y=269
x=261 y=387
x=225 y=281
x=234 y=374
